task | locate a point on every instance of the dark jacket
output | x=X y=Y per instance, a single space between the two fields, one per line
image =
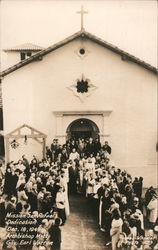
x=55 y=235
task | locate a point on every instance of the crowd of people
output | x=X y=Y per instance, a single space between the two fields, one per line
x=39 y=191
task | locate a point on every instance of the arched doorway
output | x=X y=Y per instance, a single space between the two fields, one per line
x=82 y=128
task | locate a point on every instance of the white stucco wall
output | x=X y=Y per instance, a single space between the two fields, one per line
x=31 y=95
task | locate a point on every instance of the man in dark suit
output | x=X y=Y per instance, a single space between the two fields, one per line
x=97 y=146
x=90 y=147
x=73 y=174
x=54 y=147
x=106 y=147
x=55 y=235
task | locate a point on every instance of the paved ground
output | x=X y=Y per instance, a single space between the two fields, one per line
x=81 y=230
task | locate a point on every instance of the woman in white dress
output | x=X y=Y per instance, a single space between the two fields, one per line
x=116 y=229
x=21 y=180
x=22 y=197
x=152 y=207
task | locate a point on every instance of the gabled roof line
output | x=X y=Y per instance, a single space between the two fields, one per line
x=25 y=126
x=125 y=55
x=39 y=54
x=82 y=34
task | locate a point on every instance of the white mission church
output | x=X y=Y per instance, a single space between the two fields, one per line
x=81 y=86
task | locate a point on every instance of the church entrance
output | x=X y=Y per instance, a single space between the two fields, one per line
x=82 y=128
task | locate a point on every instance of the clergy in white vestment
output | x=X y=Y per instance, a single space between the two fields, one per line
x=60 y=202
x=74 y=155
x=90 y=184
x=64 y=184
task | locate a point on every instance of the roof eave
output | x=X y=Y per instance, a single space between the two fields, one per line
x=40 y=54
x=82 y=34
x=122 y=53
x=21 y=50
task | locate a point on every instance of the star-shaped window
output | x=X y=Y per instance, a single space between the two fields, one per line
x=82 y=86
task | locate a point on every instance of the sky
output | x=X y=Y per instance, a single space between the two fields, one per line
x=129 y=24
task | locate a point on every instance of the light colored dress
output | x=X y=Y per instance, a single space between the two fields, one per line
x=133 y=235
x=63 y=182
x=152 y=206
x=100 y=211
x=22 y=197
x=21 y=180
x=91 y=183
x=67 y=207
x=60 y=200
x=116 y=228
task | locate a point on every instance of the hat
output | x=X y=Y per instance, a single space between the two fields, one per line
x=156 y=228
x=13 y=199
x=42 y=248
x=58 y=221
x=135 y=216
x=45 y=222
x=135 y=199
x=35 y=213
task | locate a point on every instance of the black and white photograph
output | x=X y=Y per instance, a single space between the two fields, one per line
x=78 y=124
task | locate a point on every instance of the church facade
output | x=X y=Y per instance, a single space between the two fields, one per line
x=86 y=87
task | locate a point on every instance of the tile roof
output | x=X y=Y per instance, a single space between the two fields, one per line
x=81 y=34
x=25 y=47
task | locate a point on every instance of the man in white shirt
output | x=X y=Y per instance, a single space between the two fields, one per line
x=60 y=202
x=74 y=155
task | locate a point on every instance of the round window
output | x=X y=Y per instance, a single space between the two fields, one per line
x=82 y=51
